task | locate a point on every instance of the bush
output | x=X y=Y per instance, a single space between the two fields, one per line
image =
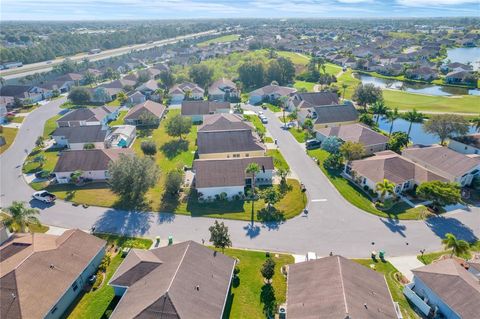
x=236 y=271
x=149 y=147
x=98 y=281
x=89 y=146
x=174 y=181
x=104 y=263
x=333 y=161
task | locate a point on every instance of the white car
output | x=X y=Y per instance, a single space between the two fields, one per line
x=44 y=196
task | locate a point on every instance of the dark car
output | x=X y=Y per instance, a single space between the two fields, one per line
x=312 y=144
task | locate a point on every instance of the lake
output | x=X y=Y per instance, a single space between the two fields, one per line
x=419 y=88
x=465 y=55
x=417 y=134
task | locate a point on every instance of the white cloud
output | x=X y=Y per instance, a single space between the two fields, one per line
x=427 y=3
x=355 y=1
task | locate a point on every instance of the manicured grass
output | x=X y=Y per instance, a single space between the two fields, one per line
x=255 y=120
x=9 y=134
x=115 y=102
x=18 y=119
x=222 y=39
x=297 y=58
x=303 y=84
x=278 y=159
x=119 y=120
x=359 y=198
x=396 y=287
x=30 y=166
x=123 y=241
x=33 y=228
x=331 y=68
x=50 y=125
x=245 y=299
x=268 y=139
x=273 y=108
x=300 y=135
x=431 y=257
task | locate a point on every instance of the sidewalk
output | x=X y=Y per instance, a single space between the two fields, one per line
x=405 y=264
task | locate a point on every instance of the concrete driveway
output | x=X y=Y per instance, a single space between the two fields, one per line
x=332 y=224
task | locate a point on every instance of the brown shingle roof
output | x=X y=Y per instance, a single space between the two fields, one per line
x=38 y=269
x=226 y=172
x=90 y=114
x=457 y=287
x=311 y=99
x=273 y=89
x=184 y=87
x=224 y=122
x=185 y=280
x=335 y=287
x=89 y=160
x=202 y=107
x=82 y=134
x=355 y=133
x=223 y=82
x=227 y=141
x=335 y=113
x=154 y=108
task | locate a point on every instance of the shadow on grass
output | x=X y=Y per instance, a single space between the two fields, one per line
x=197 y=209
x=174 y=148
x=228 y=306
x=268 y=299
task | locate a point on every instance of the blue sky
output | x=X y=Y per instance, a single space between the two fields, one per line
x=181 y=9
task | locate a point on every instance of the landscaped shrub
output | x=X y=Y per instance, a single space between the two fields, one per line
x=149 y=147
x=105 y=262
x=89 y=146
x=333 y=161
x=98 y=281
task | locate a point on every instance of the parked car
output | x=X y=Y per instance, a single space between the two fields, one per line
x=312 y=144
x=264 y=119
x=44 y=196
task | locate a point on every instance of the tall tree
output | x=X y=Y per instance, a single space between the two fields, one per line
x=253 y=169
x=271 y=196
x=201 y=74
x=252 y=74
x=287 y=69
x=367 y=94
x=476 y=123
x=20 y=217
x=219 y=235
x=413 y=117
x=379 y=108
x=459 y=247
x=392 y=116
x=167 y=79
x=446 y=126
x=79 y=95
x=440 y=193
x=352 y=150
x=385 y=188
x=268 y=269
x=178 y=126
x=397 y=141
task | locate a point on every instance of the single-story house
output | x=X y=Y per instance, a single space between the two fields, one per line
x=453 y=166
x=422 y=73
x=459 y=77
x=93 y=163
x=329 y=115
x=74 y=78
x=184 y=280
x=136 y=98
x=148 y=88
x=134 y=115
x=224 y=122
x=372 y=141
x=42 y=275
x=76 y=137
x=445 y=288
x=335 y=287
x=121 y=136
x=216 y=176
x=388 y=165
x=179 y=92
x=270 y=93
x=23 y=92
x=229 y=144
x=198 y=109
x=468 y=144
x=223 y=90
x=89 y=116
x=50 y=86
x=312 y=99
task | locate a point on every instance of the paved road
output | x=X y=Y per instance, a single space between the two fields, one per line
x=332 y=224
x=44 y=67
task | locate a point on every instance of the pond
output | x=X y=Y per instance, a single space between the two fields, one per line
x=465 y=55
x=419 y=88
x=417 y=134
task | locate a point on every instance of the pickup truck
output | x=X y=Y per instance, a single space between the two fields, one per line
x=44 y=196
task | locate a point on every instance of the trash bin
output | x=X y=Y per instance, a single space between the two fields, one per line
x=381 y=254
x=170 y=240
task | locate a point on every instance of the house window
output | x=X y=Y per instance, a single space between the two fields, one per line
x=247 y=155
x=53 y=310
x=236 y=155
x=75 y=286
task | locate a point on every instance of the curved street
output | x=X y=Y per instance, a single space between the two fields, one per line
x=332 y=225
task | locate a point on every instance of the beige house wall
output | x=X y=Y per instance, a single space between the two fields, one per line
x=232 y=155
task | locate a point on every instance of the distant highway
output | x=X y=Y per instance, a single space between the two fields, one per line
x=44 y=66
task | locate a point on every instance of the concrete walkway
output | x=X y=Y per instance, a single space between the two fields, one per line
x=405 y=264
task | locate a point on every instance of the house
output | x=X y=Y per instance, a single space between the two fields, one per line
x=270 y=93
x=186 y=90
x=134 y=115
x=23 y=92
x=50 y=86
x=196 y=110
x=121 y=136
x=335 y=287
x=42 y=275
x=216 y=176
x=453 y=166
x=92 y=163
x=388 y=165
x=185 y=280
x=422 y=73
x=467 y=144
x=224 y=122
x=456 y=77
x=312 y=99
x=223 y=90
x=74 y=78
x=149 y=89
x=101 y=94
x=88 y=116
x=77 y=137
x=445 y=288
x=372 y=141
x=136 y=98
x=329 y=115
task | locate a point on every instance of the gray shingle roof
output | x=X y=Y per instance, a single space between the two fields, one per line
x=335 y=113
x=88 y=160
x=152 y=107
x=224 y=122
x=82 y=134
x=90 y=114
x=355 y=133
x=311 y=99
x=202 y=107
x=227 y=141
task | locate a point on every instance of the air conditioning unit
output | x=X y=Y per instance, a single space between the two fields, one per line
x=282 y=311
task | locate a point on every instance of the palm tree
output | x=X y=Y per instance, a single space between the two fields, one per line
x=385 y=187
x=458 y=246
x=344 y=87
x=379 y=108
x=20 y=217
x=283 y=105
x=476 y=123
x=413 y=117
x=253 y=169
x=283 y=173
x=391 y=117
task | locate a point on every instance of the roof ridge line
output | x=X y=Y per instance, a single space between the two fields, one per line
x=343 y=286
x=178 y=267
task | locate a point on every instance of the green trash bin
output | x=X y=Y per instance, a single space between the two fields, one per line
x=170 y=240
x=381 y=254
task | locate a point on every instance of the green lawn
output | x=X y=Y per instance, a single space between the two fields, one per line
x=9 y=134
x=245 y=301
x=278 y=159
x=396 y=287
x=431 y=257
x=303 y=84
x=255 y=120
x=33 y=228
x=119 y=120
x=360 y=199
x=300 y=135
x=273 y=108
x=297 y=58
x=222 y=39
x=115 y=102
x=50 y=125
x=30 y=166
x=18 y=119
x=99 y=303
